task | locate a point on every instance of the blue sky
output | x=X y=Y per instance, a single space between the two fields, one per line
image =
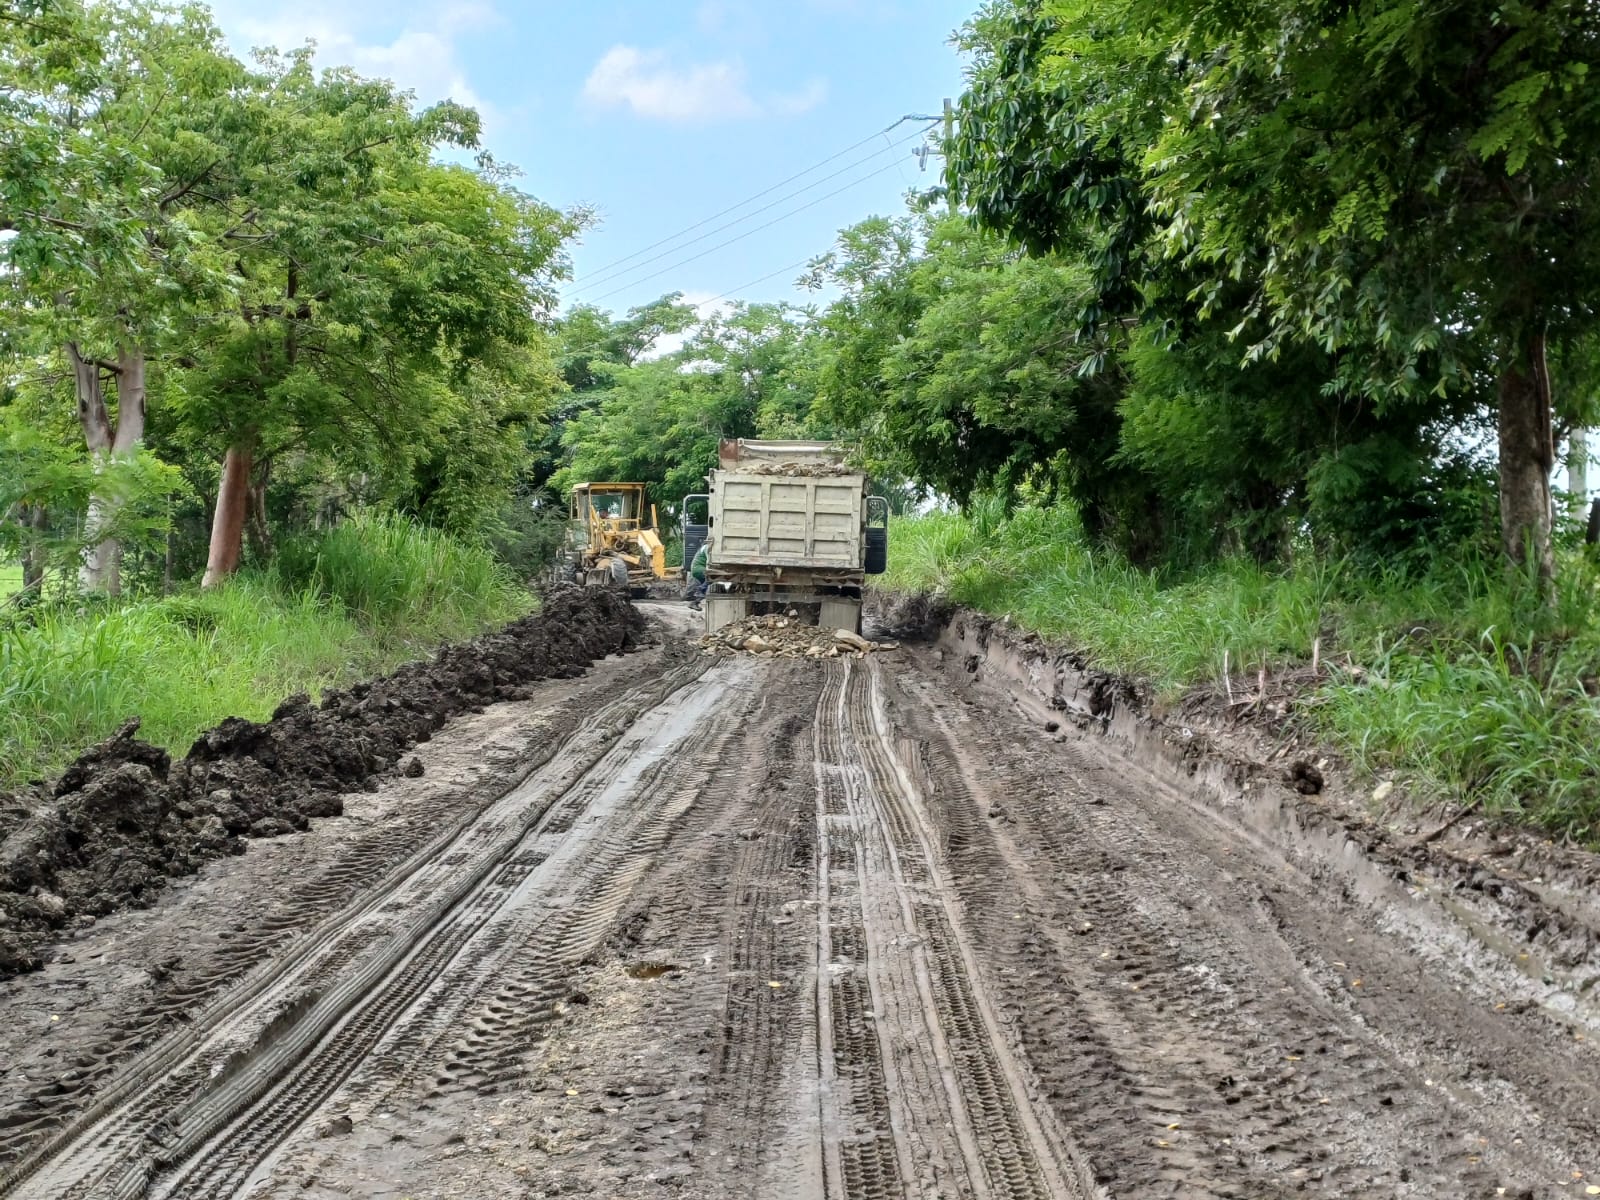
x=660 y=113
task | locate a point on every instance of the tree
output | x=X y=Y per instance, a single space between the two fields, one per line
x=1352 y=224
x=370 y=285
x=476 y=454
x=591 y=346
x=43 y=483
x=1408 y=187
x=108 y=120
x=659 y=422
x=966 y=366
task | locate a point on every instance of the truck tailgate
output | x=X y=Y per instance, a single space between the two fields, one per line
x=781 y=521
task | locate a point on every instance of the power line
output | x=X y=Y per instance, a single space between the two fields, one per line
x=768 y=191
x=742 y=236
x=752 y=283
x=600 y=274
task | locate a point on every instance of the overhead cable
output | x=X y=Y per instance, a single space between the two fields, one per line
x=747 y=233
x=768 y=191
x=602 y=274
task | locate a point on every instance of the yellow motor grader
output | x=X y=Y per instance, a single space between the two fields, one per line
x=612 y=537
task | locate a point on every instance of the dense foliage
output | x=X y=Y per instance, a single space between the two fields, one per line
x=260 y=274
x=1366 y=224
x=1260 y=280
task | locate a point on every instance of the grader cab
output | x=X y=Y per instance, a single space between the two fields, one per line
x=612 y=536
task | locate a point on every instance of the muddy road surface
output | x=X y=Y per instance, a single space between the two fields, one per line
x=742 y=927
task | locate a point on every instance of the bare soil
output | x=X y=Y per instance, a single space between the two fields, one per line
x=123 y=818
x=935 y=922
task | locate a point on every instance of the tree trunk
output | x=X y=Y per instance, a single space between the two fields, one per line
x=130 y=402
x=96 y=570
x=34 y=517
x=1527 y=456
x=227 y=524
x=107 y=442
x=1578 y=471
x=260 y=531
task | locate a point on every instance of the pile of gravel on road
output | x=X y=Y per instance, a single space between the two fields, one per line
x=777 y=636
x=124 y=817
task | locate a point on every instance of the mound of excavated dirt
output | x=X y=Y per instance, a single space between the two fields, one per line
x=908 y=616
x=779 y=636
x=124 y=818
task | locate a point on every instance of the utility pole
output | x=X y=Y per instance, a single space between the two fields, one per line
x=1578 y=470
x=949 y=132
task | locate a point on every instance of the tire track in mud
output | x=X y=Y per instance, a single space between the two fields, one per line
x=756 y=1137
x=1163 y=1006
x=933 y=1100
x=1206 y=1023
x=561 y=896
x=42 y=1112
x=580 y=882
x=238 y=1056
x=861 y=1151
x=224 y=953
x=511 y=991
x=659 y=879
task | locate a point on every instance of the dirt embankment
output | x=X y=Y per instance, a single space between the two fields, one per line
x=124 y=817
x=1259 y=768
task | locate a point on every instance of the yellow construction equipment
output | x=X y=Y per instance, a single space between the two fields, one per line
x=612 y=536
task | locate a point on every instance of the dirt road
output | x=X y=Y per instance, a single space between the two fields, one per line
x=776 y=928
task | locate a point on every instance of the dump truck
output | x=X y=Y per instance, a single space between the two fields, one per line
x=791 y=526
x=612 y=537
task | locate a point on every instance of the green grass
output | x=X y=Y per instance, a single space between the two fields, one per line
x=354 y=603
x=1450 y=679
x=10 y=579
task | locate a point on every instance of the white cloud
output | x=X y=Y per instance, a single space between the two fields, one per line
x=807 y=98
x=420 y=56
x=649 y=84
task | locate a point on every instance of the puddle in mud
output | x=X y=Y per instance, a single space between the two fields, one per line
x=653 y=970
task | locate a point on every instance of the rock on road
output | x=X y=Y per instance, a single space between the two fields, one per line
x=740 y=927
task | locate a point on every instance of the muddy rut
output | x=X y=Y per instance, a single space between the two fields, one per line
x=754 y=928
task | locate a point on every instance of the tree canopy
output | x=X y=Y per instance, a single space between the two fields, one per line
x=271 y=258
x=1397 y=198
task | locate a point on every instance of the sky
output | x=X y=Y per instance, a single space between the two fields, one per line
x=660 y=114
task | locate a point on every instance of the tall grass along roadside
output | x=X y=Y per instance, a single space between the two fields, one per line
x=354 y=602
x=1434 y=676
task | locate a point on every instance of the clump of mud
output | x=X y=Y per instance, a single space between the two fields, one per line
x=908 y=616
x=124 y=817
x=776 y=635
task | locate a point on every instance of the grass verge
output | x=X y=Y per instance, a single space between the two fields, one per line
x=1449 y=678
x=352 y=603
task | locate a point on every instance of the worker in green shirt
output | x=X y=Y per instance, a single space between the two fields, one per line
x=697 y=574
